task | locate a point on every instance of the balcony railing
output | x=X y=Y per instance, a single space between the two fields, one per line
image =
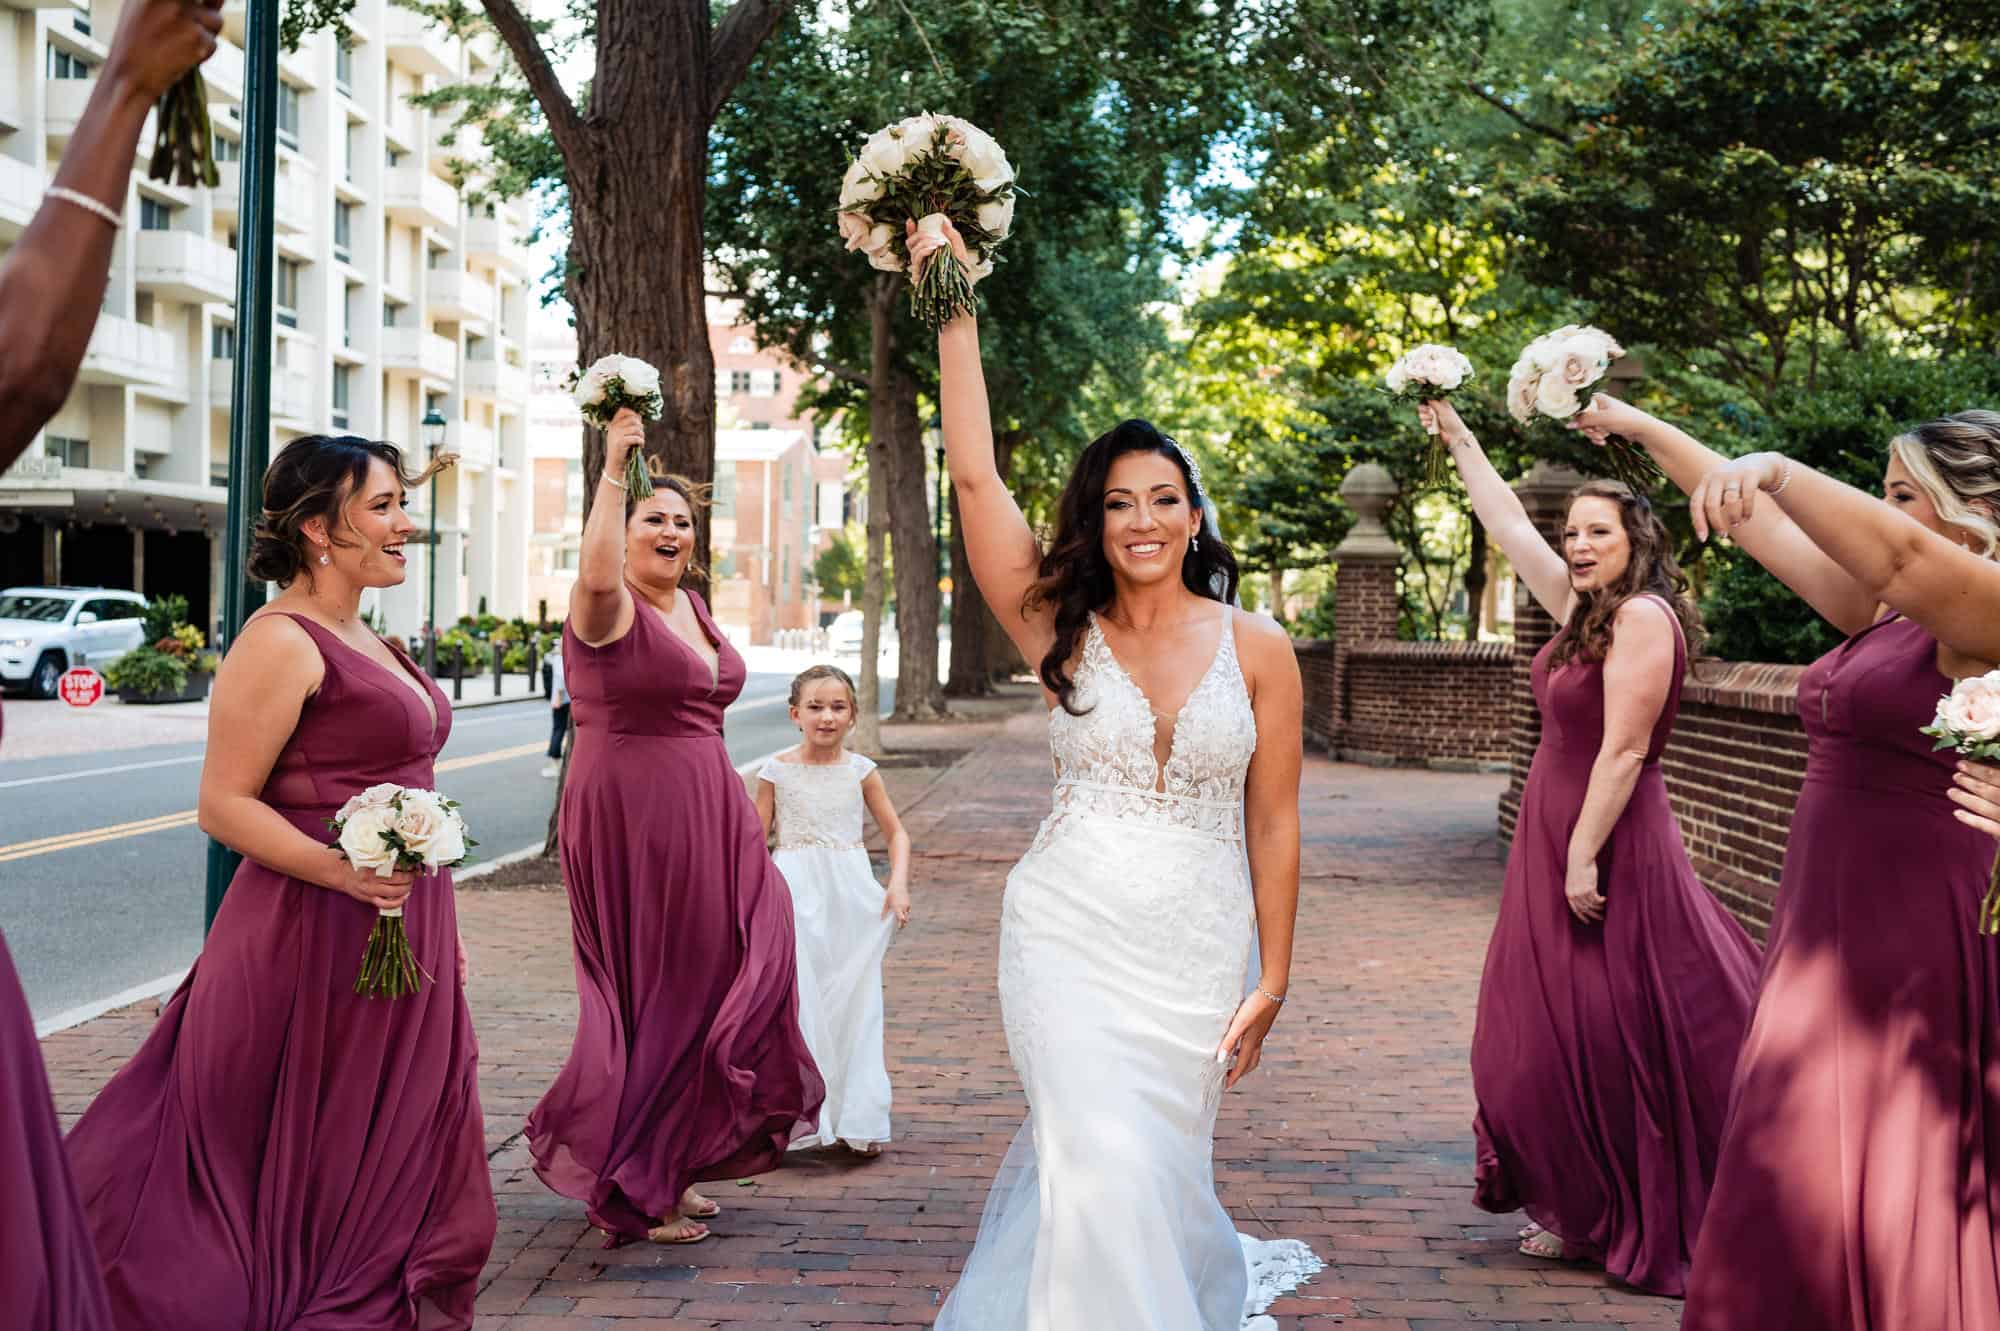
x=124 y=351
x=20 y=195
x=185 y=266
x=416 y=43
x=420 y=352
x=496 y=379
x=453 y=293
x=495 y=239
x=63 y=101
x=415 y=197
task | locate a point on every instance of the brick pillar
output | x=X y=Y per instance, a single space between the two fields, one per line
x=1542 y=493
x=1365 y=600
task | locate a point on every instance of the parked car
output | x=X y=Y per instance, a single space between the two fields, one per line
x=844 y=634
x=46 y=630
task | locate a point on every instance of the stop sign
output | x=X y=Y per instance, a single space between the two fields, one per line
x=81 y=686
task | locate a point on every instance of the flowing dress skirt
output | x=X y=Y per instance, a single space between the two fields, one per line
x=49 y=1279
x=283 y=1154
x=1123 y=949
x=842 y=939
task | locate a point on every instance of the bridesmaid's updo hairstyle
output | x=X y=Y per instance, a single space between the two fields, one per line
x=312 y=477
x=1955 y=461
x=814 y=674
x=1653 y=571
x=1074 y=577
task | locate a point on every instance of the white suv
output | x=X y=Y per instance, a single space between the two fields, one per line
x=46 y=630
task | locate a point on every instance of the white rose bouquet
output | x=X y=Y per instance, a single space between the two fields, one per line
x=613 y=383
x=383 y=829
x=1553 y=378
x=927 y=169
x=1968 y=720
x=1430 y=373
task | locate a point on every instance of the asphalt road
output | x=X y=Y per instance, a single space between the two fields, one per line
x=102 y=869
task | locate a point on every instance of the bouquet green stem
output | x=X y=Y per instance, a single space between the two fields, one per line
x=942 y=291
x=389 y=968
x=1627 y=462
x=638 y=475
x=184 y=147
x=1989 y=909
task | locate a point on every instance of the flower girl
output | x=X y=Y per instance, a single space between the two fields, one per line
x=814 y=793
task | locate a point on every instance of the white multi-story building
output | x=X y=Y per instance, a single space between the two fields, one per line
x=393 y=298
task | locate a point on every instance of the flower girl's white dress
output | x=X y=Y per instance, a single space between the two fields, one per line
x=1124 y=943
x=842 y=938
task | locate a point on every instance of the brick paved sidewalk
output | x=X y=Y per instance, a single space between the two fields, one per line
x=1355 y=1135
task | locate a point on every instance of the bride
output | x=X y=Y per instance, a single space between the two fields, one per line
x=1125 y=932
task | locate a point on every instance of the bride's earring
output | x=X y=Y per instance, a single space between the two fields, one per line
x=1194 y=542
x=325 y=558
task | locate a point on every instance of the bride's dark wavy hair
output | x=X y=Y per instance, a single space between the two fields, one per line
x=1074 y=577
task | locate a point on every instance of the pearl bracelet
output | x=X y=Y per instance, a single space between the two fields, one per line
x=1784 y=479
x=608 y=479
x=65 y=195
x=1279 y=999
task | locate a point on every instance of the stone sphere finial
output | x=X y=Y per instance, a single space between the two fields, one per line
x=1369 y=490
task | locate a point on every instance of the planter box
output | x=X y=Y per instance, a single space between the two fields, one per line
x=194 y=690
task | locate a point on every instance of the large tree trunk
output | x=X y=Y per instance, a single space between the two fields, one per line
x=980 y=651
x=919 y=697
x=1475 y=579
x=881 y=455
x=971 y=655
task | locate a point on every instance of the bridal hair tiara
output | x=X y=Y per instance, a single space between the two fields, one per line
x=1194 y=468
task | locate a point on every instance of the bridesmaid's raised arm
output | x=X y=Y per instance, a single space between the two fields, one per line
x=999 y=544
x=600 y=608
x=1500 y=512
x=1769 y=537
x=1946 y=589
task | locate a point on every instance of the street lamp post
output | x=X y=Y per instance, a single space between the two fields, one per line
x=434 y=428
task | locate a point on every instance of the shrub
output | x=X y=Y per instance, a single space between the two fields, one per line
x=147 y=670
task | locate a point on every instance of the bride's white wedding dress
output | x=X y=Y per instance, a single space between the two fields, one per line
x=1124 y=941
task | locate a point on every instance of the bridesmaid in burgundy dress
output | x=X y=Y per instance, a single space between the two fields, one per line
x=282 y=1152
x=1860 y=1182
x=49 y=1280
x=688 y=1064
x=1616 y=989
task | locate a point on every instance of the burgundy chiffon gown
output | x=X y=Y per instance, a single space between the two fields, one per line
x=283 y=1154
x=688 y=1063
x=49 y=1279
x=1602 y=1053
x=1859 y=1187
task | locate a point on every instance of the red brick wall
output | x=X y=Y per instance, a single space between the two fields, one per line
x=1441 y=704
x=1316 y=667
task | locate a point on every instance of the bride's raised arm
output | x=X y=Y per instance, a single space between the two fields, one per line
x=1004 y=554
x=1501 y=513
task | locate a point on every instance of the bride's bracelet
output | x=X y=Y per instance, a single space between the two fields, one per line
x=1279 y=999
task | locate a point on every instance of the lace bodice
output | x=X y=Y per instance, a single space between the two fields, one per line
x=819 y=804
x=1105 y=760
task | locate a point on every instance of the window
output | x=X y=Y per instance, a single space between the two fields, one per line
x=222 y=343
x=227 y=150
x=391 y=157
x=81 y=22
x=787 y=488
x=390 y=312
x=723 y=499
x=63 y=65
x=760 y=425
x=343 y=67
x=347 y=314
x=573 y=488
x=742 y=346
x=286 y=296
x=343 y=232
x=288 y=116
x=218 y=474
x=352 y=150
x=70 y=452
x=154 y=215
x=739 y=381
x=142 y=308
x=108 y=608
x=232 y=242
x=763 y=383
x=342 y=386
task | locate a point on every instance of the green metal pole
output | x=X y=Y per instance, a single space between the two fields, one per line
x=250 y=392
x=431 y=600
